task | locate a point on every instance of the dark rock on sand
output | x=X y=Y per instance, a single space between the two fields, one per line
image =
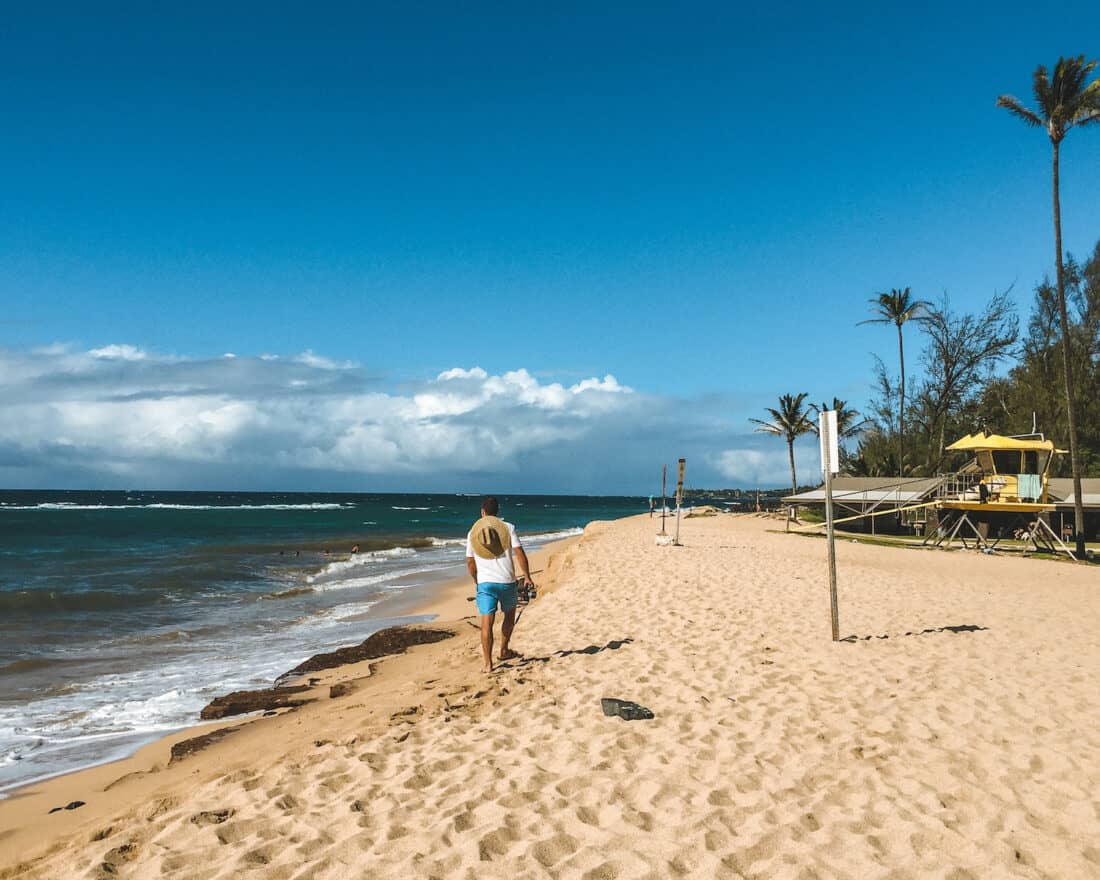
x=240 y=702
x=394 y=640
x=72 y=805
x=197 y=743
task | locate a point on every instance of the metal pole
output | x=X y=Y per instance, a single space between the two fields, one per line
x=679 y=500
x=664 y=485
x=832 y=552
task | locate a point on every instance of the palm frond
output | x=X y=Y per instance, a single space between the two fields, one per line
x=1013 y=106
x=1065 y=99
x=1044 y=93
x=790 y=420
x=767 y=427
x=896 y=307
x=1089 y=110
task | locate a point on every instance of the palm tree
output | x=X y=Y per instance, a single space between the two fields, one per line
x=1064 y=101
x=897 y=307
x=847 y=425
x=790 y=422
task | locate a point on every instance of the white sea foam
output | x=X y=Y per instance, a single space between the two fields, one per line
x=543 y=537
x=116 y=712
x=359 y=559
x=68 y=505
x=535 y=538
x=409 y=508
x=352 y=583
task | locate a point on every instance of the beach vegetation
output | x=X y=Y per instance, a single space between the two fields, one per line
x=849 y=425
x=1064 y=100
x=848 y=420
x=1022 y=400
x=898 y=307
x=790 y=421
x=961 y=353
x=958 y=360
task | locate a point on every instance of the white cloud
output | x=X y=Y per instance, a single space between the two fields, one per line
x=119 y=352
x=122 y=416
x=768 y=465
x=459 y=373
x=120 y=410
x=310 y=359
x=608 y=383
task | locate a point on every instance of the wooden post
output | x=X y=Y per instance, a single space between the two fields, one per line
x=679 y=500
x=829 y=460
x=833 y=609
x=664 y=492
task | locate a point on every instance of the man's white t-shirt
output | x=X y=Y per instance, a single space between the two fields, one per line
x=499 y=570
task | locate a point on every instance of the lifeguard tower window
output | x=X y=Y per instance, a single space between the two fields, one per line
x=1031 y=463
x=1006 y=461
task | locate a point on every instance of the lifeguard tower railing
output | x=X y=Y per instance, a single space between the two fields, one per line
x=958 y=487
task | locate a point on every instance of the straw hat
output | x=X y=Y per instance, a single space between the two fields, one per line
x=490 y=537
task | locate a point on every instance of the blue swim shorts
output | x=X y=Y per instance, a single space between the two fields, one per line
x=489 y=594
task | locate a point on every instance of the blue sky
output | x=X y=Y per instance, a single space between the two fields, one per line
x=696 y=199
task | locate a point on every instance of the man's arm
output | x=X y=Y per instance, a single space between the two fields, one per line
x=524 y=565
x=471 y=567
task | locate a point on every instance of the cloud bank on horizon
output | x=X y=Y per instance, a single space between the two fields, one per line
x=121 y=417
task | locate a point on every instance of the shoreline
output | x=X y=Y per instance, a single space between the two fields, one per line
x=952 y=732
x=154 y=692
x=445 y=606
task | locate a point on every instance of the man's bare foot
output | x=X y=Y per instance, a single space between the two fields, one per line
x=487 y=669
x=509 y=655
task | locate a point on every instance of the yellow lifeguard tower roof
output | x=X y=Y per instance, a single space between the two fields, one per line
x=981 y=441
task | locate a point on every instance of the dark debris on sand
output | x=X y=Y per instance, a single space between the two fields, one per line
x=394 y=640
x=384 y=643
x=266 y=699
x=197 y=743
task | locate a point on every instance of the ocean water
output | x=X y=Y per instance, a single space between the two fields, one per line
x=123 y=613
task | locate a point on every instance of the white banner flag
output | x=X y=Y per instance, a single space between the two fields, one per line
x=830 y=445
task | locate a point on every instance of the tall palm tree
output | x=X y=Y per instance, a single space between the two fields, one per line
x=898 y=307
x=790 y=422
x=1064 y=101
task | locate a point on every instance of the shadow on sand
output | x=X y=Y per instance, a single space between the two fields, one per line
x=613 y=645
x=960 y=628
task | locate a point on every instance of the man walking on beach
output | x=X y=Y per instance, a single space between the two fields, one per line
x=491 y=547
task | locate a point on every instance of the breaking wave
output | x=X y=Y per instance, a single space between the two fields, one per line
x=67 y=505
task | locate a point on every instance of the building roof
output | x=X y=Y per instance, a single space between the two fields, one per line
x=891 y=491
x=1060 y=491
x=996 y=441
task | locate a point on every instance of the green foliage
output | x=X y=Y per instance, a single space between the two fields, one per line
x=960 y=389
x=790 y=421
x=1064 y=100
x=1033 y=387
x=848 y=421
x=898 y=308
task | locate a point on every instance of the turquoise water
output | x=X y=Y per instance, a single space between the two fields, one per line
x=123 y=613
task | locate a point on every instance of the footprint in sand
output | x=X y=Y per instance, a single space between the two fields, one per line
x=212 y=817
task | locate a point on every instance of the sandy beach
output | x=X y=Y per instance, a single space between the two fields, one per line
x=954 y=733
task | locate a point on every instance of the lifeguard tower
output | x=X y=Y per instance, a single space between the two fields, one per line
x=1001 y=492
